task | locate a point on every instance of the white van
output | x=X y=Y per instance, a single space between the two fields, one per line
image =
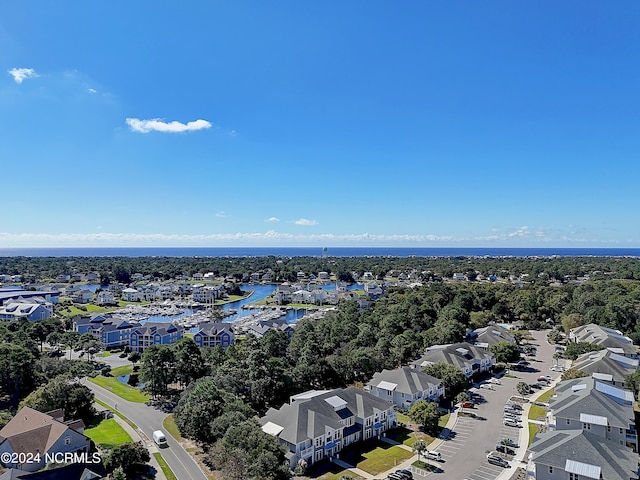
x=432 y=455
x=159 y=438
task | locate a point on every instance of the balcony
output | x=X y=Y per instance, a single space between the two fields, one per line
x=307 y=452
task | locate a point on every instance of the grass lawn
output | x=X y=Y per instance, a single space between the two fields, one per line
x=108 y=433
x=117 y=387
x=165 y=468
x=329 y=471
x=403 y=418
x=72 y=310
x=170 y=426
x=536 y=412
x=375 y=457
x=533 y=429
x=545 y=396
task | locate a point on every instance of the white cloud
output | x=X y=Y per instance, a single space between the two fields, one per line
x=92 y=90
x=157 y=125
x=221 y=215
x=269 y=238
x=272 y=219
x=20 y=74
x=305 y=222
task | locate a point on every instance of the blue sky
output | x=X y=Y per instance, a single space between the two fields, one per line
x=206 y=123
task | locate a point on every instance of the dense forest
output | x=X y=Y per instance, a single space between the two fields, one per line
x=538 y=269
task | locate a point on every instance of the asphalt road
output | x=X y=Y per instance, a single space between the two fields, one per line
x=465 y=452
x=149 y=419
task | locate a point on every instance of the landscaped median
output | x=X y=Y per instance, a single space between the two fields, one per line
x=118 y=388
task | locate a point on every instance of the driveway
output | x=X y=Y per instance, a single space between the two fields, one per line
x=464 y=452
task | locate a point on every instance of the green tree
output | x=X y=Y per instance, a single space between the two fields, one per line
x=158 y=368
x=419 y=447
x=426 y=414
x=505 y=352
x=575 y=349
x=129 y=456
x=189 y=361
x=462 y=397
x=18 y=375
x=632 y=382
x=74 y=399
x=573 y=373
x=522 y=388
x=453 y=379
x=200 y=404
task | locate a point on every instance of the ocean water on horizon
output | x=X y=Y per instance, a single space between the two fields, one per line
x=316 y=252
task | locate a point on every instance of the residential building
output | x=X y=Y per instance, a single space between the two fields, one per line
x=490 y=335
x=606 y=365
x=112 y=332
x=105 y=297
x=468 y=358
x=154 y=333
x=605 y=337
x=317 y=425
x=31 y=431
x=261 y=327
x=32 y=309
x=131 y=295
x=595 y=406
x=580 y=455
x=214 y=335
x=404 y=386
x=71 y=471
x=10 y=293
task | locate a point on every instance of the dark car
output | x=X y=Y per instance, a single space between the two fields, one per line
x=406 y=472
x=509 y=443
x=504 y=449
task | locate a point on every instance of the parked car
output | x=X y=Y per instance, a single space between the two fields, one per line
x=396 y=476
x=511 y=422
x=509 y=442
x=468 y=405
x=504 y=449
x=495 y=381
x=557 y=368
x=514 y=405
x=406 y=472
x=487 y=386
x=515 y=416
x=544 y=378
x=433 y=455
x=536 y=386
x=495 y=459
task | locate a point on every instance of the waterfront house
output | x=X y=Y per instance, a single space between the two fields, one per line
x=131 y=295
x=404 y=386
x=154 y=333
x=317 y=425
x=214 y=335
x=105 y=297
x=32 y=309
x=31 y=432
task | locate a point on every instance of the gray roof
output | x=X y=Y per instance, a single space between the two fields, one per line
x=572 y=402
x=307 y=418
x=606 y=337
x=493 y=334
x=616 y=462
x=408 y=380
x=214 y=329
x=608 y=362
x=458 y=354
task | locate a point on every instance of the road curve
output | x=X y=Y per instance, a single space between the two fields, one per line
x=149 y=419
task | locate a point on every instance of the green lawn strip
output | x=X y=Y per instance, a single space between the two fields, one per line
x=118 y=388
x=115 y=412
x=403 y=418
x=383 y=458
x=536 y=412
x=544 y=398
x=165 y=468
x=170 y=426
x=425 y=466
x=533 y=429
x=339 y=475
x=108 y=433
x=442 y=422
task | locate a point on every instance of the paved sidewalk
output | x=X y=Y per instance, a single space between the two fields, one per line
x=138 y=436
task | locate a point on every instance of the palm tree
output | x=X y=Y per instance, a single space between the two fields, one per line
x=419 y=447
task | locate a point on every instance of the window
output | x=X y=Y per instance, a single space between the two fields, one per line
x=389 y=393
x=574 y=476
x=318 y=442
x=550 y=469
x=586 y=426
x=608 y=428
x=67 y=440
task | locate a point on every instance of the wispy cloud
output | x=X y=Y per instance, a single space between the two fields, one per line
x=269 y=238
x=272 y=220
x=221 y=215
x=92 y=90
x=157 y=125
x=305 y=222
x=20 y=74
